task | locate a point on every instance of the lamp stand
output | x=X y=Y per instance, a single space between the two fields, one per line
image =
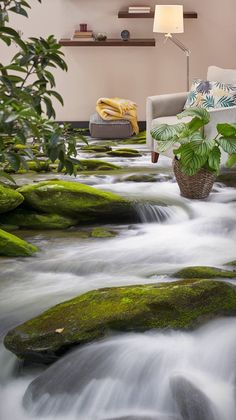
x=183 y=48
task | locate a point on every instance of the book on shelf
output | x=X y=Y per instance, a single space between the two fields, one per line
x=139 y=11
x=139 y=7
x=74 y=38
x=87 y=33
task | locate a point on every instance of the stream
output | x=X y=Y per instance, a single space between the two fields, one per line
x=150 y=376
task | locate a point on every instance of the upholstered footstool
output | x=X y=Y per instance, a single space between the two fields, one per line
x=102 y=129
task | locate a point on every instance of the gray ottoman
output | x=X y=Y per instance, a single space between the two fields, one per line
x=102 y=129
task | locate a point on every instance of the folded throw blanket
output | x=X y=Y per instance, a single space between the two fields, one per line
x=118 y=109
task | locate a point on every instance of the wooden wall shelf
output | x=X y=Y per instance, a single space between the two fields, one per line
x=124 y=14
x=109 y=43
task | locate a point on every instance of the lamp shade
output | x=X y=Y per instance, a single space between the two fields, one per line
x=169 y=19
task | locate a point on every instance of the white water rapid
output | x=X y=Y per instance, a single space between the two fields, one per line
x=151 y=376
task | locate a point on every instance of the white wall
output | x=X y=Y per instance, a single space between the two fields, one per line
x=133 y=72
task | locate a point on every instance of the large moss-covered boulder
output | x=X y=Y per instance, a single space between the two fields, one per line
x=12 y=246
x=177 y=305
x=85 y=203
x=202 y=272
x=9 y=199
x=28 y=219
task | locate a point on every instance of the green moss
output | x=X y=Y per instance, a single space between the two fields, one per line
x=124 y=153
x=79 y=201
x=177 y=305
x=231 y=263
x=12 y=246
x=9 y=199
x=204 y=273
x=102 y=233
x=96 y=165
x=96 y=148
x=39 y=166
x=32 y=220
x=141 y=178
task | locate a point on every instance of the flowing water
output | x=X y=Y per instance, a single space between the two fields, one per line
x=161 y=376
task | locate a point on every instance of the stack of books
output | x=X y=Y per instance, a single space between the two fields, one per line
x=83 y=36
x=139 y=9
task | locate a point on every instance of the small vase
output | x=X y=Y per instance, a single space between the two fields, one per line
x=196 y=186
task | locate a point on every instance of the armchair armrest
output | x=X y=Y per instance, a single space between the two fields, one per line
x=163 y=106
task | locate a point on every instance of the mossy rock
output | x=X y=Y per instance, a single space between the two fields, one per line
x=96 y=165
x=124 y=153
x=93 y=315
x=198 y=272
x=9 y=199
x=27 y=219
x=231 y=263
x=103 y=233
x=12 y=246
x=228 y=177
x=141 y=178
x=96 y=148
x=34 y=166
x=39 y=166
x=84 y=203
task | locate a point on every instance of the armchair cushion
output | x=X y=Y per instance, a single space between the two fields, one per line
x=210 y=94
x=221 y=75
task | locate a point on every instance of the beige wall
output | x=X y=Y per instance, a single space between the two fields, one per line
x=133 y=72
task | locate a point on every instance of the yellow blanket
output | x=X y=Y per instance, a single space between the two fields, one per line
x=118 y=109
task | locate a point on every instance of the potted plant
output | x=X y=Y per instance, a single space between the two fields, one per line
x=197 y=158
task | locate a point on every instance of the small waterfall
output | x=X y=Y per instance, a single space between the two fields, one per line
x=171 y=376
x=154 y=213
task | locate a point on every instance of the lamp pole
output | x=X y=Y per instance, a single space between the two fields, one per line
x=185 y=50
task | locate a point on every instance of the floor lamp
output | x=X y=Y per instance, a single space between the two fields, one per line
x=169 y=19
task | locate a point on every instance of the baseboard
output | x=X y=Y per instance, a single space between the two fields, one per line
x=85 y=124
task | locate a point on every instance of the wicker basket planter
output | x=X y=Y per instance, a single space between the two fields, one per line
x=197 y=186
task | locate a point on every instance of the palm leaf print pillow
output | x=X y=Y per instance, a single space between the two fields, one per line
x=209 y=95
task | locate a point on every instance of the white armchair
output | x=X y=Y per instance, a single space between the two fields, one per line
x=162 y=109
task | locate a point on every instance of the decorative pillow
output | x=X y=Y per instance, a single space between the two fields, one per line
x=211 y=95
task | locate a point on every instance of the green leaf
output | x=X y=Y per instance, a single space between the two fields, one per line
x=200 y=145
x=166 y=135
x=9 y=31
x=198 y=112
x=228 y=144
x=214 y=159
x=189 y=160
x=19 y=10
x=14 y=161
x=56 y=95
x=231 y=161
x=7 y=176
x=227 y=130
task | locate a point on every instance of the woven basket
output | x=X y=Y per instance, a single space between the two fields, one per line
x=196 y=186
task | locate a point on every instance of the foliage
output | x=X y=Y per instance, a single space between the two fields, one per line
x=27 y=86
x=192 y=148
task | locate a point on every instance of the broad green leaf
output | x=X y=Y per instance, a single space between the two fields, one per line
x=189 y=160
x=227 y=130
x=198 y=112
x=214 y=159
x=165 y=132
x=227 y=144
x=231 y=161
x=200 y=145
